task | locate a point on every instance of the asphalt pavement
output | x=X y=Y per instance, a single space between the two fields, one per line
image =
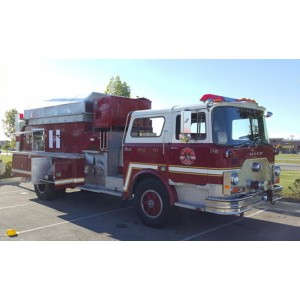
x=289 y=167
x=84 y=216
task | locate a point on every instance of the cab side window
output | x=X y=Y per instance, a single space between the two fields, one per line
x=198 y=128
x=147 y=127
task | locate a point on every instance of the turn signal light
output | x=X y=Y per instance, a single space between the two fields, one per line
x=237 y=189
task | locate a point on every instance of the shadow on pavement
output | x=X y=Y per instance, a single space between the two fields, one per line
x=117 y=220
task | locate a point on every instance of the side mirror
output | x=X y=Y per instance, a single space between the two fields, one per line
x=269 y=114
x=185 y=126
x=186 y=122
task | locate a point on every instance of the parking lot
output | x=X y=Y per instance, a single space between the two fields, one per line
x=83 y=216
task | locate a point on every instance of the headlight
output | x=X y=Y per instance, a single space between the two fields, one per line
x=256 y=167
x=277 y=171
x=235 y=178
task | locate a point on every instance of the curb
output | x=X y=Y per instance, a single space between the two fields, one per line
x=10 y=180
x=290 y=200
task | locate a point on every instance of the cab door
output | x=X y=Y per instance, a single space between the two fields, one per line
x=189 y=149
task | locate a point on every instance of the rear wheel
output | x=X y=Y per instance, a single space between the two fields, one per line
x=152 y=202
x=45 y=191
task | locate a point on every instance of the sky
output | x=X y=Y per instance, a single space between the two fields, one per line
x=273 y=83
x=171 y=52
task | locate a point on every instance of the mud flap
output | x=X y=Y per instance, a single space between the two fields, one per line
x=40 y=167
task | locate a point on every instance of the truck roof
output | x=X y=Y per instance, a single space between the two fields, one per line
x=178 y=108
x=62 y=107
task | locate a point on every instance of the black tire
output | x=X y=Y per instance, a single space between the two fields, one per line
x=152 y=203
x=45 y=191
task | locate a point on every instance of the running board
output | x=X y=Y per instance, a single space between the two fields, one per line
x=99 y=189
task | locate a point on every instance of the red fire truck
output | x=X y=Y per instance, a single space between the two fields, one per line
x=212 y=156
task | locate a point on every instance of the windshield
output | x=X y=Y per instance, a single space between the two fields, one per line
x=235 y=126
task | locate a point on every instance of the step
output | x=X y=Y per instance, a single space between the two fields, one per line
x=99 y=189
x=189 y=206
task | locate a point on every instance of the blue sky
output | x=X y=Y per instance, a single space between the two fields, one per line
x=171 y=52
x=274 y=83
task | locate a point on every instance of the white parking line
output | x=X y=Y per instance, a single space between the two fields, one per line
x=14 y=192
x=75 y=220
x=12 y=206
x=221 y=226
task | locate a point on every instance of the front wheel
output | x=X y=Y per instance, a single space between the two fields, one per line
x=152 y=202
x=45 y=191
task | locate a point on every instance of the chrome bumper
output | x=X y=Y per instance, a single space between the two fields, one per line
x=240 y=203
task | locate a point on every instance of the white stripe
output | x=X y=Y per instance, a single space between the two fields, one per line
x=222 y=226
x=50 y=133
x=10 y=192
x=199 y=170
x=174 y=169
x=21 y=171
x=57 y=182
x=69 y=180
x=136 y=166
x=57 y=138
x=76 y=220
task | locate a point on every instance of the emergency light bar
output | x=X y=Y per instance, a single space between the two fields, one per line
x=216 y=99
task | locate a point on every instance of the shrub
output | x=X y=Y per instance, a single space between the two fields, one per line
x=295 y=188
x=8 y=167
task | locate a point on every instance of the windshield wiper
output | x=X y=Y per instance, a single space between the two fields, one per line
x=246 y=144
x=252 y=143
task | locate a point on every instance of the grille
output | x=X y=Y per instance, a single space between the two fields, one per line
x=235 y=162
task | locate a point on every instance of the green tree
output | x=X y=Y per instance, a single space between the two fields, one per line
x=9 y=125
x=117 y=87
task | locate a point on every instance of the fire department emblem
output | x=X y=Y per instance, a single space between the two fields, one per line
x=187 y=156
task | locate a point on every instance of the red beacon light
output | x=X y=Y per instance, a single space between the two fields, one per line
x=211 y=98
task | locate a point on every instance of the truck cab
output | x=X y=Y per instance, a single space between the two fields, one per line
x=213 y=157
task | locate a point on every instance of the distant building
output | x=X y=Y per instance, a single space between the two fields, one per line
x=286 y=146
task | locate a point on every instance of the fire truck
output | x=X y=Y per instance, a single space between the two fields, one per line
x=212 y=156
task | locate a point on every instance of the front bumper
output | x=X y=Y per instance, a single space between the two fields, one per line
x=240 y=203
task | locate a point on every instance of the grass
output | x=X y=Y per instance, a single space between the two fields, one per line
x=287 y=179
x=5 y=158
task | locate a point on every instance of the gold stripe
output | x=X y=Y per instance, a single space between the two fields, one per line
x=197 y=174
x=203 y=168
